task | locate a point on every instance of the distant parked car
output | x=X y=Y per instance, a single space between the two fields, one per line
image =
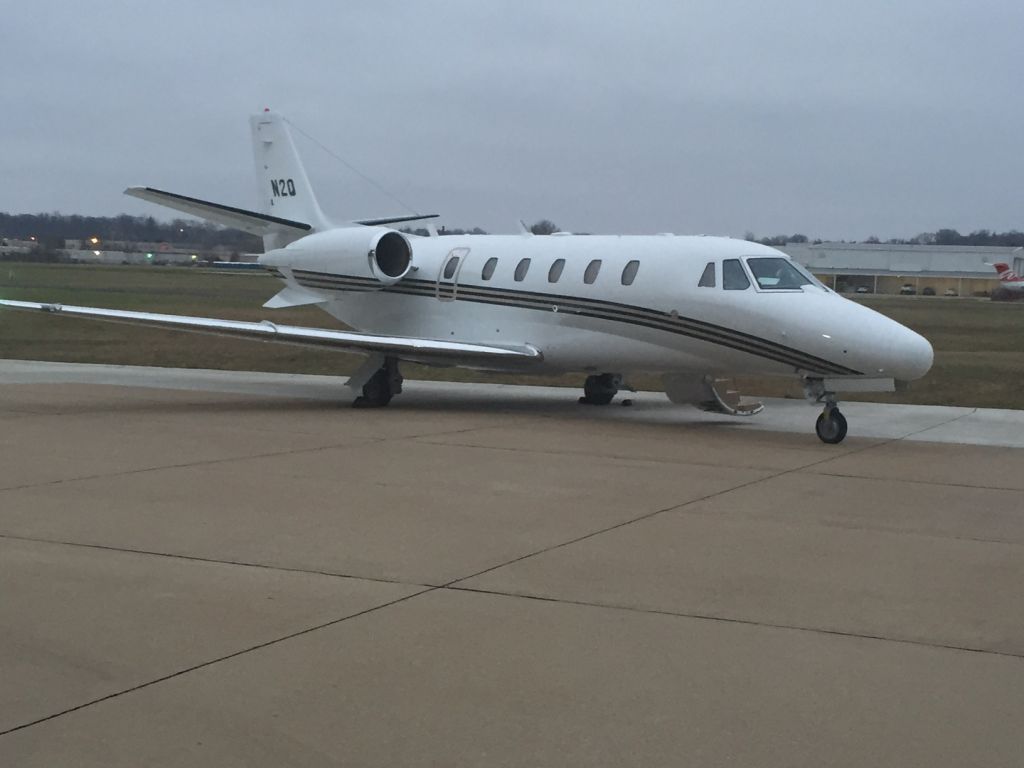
x=928 y=291
x=950 y=292
x=908 y=290
x=863 y=289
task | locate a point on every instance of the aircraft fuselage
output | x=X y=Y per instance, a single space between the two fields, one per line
x=547 y=291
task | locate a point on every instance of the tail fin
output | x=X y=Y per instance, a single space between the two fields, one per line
x=1005 y=273
x=283 y=187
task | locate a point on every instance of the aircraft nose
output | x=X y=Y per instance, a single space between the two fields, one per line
x=913 y=355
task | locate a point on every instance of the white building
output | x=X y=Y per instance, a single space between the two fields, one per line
x=883 y=268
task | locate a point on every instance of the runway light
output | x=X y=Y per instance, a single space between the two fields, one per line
x=149 y=255
x=194 y=257
x=95 y=253
x=94 y=240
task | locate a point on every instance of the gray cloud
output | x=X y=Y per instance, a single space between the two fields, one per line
x=718 y=117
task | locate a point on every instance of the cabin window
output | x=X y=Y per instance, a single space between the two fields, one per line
x=450 y=267
x=776 y=274
x=629 y=273
x=488 y=270
x=590 y=275
x=707 y=279
x=521 y=269
x=733 y=276
x=556 y=270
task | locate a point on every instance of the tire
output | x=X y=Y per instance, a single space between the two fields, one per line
x=831 y=428
x=599 y=390
x=376 y=392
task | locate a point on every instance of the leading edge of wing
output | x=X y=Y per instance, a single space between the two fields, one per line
x=294 y=334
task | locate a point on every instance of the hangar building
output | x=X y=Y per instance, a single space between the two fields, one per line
x=922 y=269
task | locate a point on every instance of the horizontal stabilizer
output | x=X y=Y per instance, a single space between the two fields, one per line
x=398 y=346
x=226 y=215
x=395 y=219
x=248 y=221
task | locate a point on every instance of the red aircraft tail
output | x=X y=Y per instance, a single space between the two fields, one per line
x=1006 y=274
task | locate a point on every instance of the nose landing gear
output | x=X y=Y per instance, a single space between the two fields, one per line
x=831 y=424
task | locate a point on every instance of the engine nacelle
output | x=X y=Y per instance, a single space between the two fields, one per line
x=360 y=252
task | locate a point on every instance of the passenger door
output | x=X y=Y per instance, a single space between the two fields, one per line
x=448 y=274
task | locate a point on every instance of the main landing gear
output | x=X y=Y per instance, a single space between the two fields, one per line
x=381 y=386
x=600 y=389
x=831 y=424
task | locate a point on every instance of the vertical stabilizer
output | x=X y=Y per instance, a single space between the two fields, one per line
x=283 y=187
x=1005 y=273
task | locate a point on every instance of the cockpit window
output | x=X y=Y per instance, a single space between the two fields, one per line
x=776 y=274
x=707 y=279
x=733 y=276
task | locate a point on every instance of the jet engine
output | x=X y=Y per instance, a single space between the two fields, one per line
x=382 y=254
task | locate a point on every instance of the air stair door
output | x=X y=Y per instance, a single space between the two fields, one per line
x=448 y=274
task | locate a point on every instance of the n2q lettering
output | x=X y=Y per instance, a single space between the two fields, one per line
x=282 y=187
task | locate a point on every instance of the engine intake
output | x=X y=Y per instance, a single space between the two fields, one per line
x=391 y=257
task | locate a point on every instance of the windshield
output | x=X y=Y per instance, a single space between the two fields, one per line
x=775 y=273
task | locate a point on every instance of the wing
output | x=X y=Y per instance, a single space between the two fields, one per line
x=409 y=347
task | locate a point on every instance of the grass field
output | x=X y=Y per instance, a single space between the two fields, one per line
x=979 y=344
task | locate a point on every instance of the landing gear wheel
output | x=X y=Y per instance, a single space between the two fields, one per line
x=831 y=426
x=599 y=390
x=382 y=386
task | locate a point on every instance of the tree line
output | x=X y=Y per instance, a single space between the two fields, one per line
x=52 y=229
x=1010 y=238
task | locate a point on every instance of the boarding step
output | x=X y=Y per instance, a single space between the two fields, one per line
x=727 y=400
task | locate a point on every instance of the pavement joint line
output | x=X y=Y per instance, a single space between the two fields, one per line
x=617 y=456
x=364 y=442
x=847 y=527
x=912 y=481
x=737 y=620
x=183 y=465
x=652 y=514
x=211 y=662
x=921 y=431
x=210 y=560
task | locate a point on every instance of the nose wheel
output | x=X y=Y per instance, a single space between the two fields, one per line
x=831 y=425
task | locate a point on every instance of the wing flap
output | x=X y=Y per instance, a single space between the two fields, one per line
x=300 y=335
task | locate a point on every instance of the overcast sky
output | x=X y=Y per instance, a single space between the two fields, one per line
x=837 y=120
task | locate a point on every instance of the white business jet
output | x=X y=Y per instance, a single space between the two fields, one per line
x=691 y=309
